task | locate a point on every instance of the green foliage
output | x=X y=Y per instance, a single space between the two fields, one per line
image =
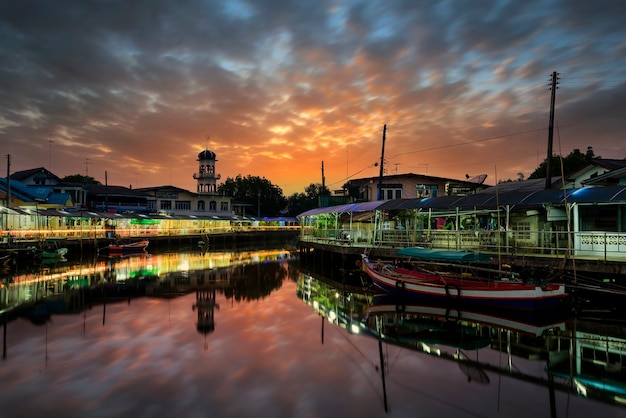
x=258 y=193
x=571 y=163
x=77 y=178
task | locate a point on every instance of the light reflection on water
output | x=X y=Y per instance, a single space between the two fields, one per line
x=250 y=334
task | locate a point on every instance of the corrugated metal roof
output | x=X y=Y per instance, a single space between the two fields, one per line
x=350 y=207
x=591 y=194
x=523 y=199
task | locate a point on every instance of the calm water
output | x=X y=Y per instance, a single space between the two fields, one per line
x=248 y=334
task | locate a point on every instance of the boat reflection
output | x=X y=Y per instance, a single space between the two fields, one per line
x=551 y=349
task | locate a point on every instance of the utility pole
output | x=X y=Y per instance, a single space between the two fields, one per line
x=8 y=180
x=106 y=191
x=382 y=160
x=323 y=180
x=553 y=87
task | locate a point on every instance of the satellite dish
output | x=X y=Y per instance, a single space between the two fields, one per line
x=479 y=179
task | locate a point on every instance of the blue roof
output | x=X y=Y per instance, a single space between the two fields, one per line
x=523 y=199
x=19 y=190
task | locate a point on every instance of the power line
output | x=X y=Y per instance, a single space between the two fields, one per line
x=505 y=136
x=470 y=142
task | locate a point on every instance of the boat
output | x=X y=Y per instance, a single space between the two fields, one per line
x=136 y=246
x=6 y=259
x=462 y=288
x=52 y=251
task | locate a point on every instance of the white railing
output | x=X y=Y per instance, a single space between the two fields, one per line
x=594 y=245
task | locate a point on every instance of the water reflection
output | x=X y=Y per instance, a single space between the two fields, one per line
x=156 y=274
x=552 y=349
x=252 y=334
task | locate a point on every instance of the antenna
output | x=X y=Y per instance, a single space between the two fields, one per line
x=207 y=137
x=86 y=167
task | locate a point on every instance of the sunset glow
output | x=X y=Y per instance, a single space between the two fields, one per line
x=278 y=87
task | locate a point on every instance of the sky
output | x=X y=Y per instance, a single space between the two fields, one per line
x=298 y=91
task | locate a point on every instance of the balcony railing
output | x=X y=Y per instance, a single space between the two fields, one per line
x=207 y=176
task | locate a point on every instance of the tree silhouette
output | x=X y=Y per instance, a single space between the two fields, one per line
x=258 y=193
x=78 y=178
x=573 y=162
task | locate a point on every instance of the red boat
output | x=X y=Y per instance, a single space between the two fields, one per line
x=511 y=294
x=137 y=246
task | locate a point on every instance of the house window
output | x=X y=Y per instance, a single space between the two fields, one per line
x=166 y=205
x=201 y=205
x=426 y=190
x=151 y=205
x=522 y=230
x=224 y=207
x=599 y=218
x=213 y=206
x=183 y=205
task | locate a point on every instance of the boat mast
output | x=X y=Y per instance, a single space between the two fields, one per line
x=382 y=161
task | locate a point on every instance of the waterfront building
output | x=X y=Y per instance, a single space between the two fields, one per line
x=42 y=205
x=171 y=200
x=46 y=183
x=599 y=172
x=513 y=218
x=408 y=186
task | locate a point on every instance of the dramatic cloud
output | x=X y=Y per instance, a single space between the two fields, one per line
x=277 y=87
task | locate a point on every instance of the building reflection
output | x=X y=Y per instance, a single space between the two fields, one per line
x=158 y=273
x=39 y=293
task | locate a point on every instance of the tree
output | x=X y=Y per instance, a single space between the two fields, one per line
x=262 y=197
x=78 y=178
x=314 y=190
x=571 y=163
x=301 y=202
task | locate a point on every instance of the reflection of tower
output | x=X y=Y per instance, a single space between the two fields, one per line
x=206 y=176
x=205 y=303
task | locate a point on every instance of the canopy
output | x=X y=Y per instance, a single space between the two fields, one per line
x=457 y=256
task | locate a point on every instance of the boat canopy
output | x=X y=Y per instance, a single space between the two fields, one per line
x=457 y=256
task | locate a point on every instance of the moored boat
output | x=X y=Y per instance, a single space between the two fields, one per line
x=502 y=293
x=53 y=252
x=130 y=247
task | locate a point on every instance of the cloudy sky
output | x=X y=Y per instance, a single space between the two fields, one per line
x=134 y=88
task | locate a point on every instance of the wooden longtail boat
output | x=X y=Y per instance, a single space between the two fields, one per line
x=503 y=293
x=132 y=247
